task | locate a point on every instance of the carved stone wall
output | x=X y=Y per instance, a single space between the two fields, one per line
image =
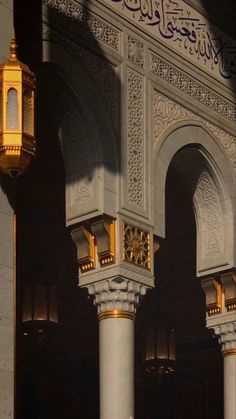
x=80 y=164
x=99 y=28
x=213 y=215
x=102 y=72
x=167 y=113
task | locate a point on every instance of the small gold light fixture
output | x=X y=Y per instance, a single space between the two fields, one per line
x=17 y=91
x=39 y=309
x=159 y=350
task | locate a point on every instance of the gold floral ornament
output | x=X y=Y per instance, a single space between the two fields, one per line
x=136 y=246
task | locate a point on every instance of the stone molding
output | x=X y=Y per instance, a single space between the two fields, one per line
x=116 y=294
x=226 y=334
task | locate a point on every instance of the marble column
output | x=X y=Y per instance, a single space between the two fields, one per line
x=116 y=300
x=227 y=338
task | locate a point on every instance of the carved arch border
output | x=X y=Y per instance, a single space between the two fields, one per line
x=85 y=93
x=219 y=176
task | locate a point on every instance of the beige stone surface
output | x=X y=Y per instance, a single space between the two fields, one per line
x=6 y=394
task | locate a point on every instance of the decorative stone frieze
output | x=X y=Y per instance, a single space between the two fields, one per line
x=192 y=87
x=167 y=113
x=93 y=24
x=116 y=294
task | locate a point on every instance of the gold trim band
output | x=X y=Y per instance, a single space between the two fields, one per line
x=116 y=314
x=229 y=352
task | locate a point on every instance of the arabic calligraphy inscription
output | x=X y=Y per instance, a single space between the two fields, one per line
x=184 y=30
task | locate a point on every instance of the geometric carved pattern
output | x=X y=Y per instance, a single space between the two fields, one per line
x=136 y=244
x=191 y=87
x=92 y=24
x=135 y=139
x=167 y=113
x=135 y=52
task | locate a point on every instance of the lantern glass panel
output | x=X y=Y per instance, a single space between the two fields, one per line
x=40 y=303
x=53 y=309
x=172 y=354
x=28 y=112
x=162 y=342
x=27 y=304
x=150 y=352
x=12 y=110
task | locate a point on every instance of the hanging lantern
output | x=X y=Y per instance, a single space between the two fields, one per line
x=40 y=309
x=159 y=351
x=17 y=90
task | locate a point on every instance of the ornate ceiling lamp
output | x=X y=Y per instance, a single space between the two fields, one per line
x=159 y=353
x=40 y=309
x=17 y=91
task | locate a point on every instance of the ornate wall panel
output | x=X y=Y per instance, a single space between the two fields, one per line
x=135 y=141
x=167 y=113
x=211 y=224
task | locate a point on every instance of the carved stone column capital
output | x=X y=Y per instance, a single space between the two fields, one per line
x=226 y=334
x=116 y=294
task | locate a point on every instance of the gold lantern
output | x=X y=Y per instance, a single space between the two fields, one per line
x=17 y=90
x=159 y=351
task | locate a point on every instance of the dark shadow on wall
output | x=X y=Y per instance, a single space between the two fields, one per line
x=63 y=365
x=195 y=389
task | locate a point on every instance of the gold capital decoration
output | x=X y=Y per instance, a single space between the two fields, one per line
x=229 y=284
x=213 y=294
x=136 y=246
x=103 y=229
x=85 y=248
x=116 y=314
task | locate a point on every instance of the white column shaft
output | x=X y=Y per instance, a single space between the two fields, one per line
x=230 y=386
x=116 y=368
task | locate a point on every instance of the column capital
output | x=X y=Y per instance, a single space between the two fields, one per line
x=116 y=294
x=226 y=334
